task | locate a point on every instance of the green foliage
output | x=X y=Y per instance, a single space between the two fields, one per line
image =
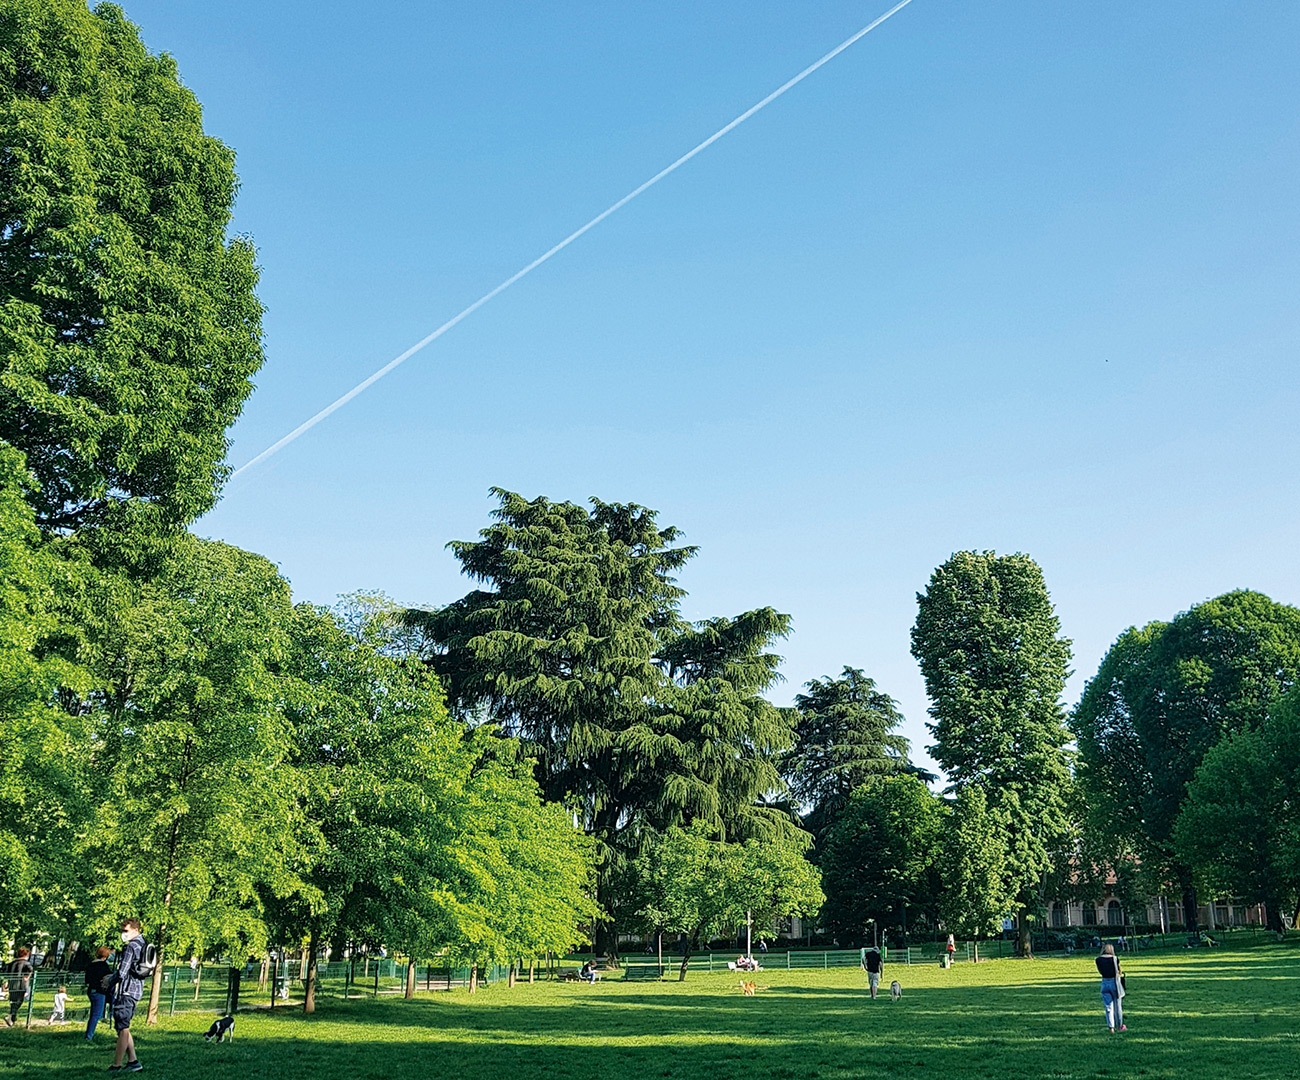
x=129 y=330
x=988 y=643
x=635 y=718
x=977 y=890
x=700 y=886
x=426 y=839
x=1163 y=697
x=1239 y=827
x=844 y=737
x=881 y=858
x=196 y=818
x=42 y=748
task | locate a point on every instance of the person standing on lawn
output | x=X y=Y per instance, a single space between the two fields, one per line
x=127 y=987
x=1112 y=988
x=19 y=973
x=873 y=964
x=97 y=973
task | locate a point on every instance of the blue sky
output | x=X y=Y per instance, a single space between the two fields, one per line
x=1017 y=276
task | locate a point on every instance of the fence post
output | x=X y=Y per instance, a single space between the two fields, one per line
x=176 y=981
x=787 y=959
x=31 y=996
x=825 y=965
x=376 y=980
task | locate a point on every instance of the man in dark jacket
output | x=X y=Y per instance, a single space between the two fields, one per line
x=19 y=974
x=127 y=989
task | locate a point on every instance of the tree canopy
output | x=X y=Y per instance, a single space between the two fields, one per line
x=129 y=329
x=1163 y=697
x=989 y=645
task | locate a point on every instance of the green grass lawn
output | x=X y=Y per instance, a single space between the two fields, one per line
x=1190 y=1015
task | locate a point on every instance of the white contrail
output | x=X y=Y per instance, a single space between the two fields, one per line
x=307 y=425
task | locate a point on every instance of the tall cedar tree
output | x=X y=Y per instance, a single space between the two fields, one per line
x=635 y=718
x=129 y=330
x=1164 y=696
x=988 y=643
x=844 y=737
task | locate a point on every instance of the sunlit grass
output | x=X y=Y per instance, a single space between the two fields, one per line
x=1190 y=1015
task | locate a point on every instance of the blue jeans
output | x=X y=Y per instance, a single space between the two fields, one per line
x=96 y=1014
x=1110 y=999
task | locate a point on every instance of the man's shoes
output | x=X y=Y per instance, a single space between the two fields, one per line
x=1123 y=1027
x=115 y=1068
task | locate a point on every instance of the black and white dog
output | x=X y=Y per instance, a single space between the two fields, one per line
x=895 y=990
x=223 y=1028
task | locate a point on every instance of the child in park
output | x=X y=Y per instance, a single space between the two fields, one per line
x=59 y=1015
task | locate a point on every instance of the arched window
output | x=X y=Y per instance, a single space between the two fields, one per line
x=1089 y=915
x=1114 y=914
x=1058 y=916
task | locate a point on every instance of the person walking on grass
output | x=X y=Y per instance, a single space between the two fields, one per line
x=873 y=963
x=1112 y=988
x=19 y=974
x=127 y=987
x=97 y=974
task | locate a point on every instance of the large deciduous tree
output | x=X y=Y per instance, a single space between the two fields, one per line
x=1239 y=827
x=197 y=818
x=1163 y=697
x=880 y=862
x=696 y=884
x=129 y=329
x=976 y=892
x=43 y=748
x=989 y=645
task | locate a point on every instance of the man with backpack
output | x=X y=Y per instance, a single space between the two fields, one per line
x=127 y=985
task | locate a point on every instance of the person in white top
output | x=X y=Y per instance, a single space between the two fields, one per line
x=59 y=1015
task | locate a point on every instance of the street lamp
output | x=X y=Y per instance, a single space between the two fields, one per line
x=873 y=932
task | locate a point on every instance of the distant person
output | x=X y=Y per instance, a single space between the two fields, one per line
x=588 y=973
x=98 y=972
x=873 y=963
x=951 y=947
x=59 y=1015
x=1112 y=988
x=127 y=989
x=762 y=945
x=18 y=973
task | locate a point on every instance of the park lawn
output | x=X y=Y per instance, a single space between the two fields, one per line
x=1191 y=1015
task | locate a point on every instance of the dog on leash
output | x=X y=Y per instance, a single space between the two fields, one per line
x=747 y=987
x=222 y=1028
x=895 y=990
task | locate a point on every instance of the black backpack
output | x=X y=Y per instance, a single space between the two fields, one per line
x=144 y=966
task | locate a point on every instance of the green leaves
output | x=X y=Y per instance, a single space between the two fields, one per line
x=988 y=643
x=879 y=859
x=129 y=330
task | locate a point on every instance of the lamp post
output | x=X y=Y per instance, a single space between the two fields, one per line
x=873 y=933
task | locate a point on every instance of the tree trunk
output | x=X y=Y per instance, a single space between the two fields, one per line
x=236 y=974
x=1191 y=914
x=1024 y=943
x=263 y=973
x=510 y=978
x=409 y=993
x=686 y=955
x=977 y=950
x=532 y=965
x=659 y=940
x=309 y=993
x=1273 y=915
x=198 y=979
x=473 y=978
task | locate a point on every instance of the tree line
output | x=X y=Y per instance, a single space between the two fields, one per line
x=556 y=757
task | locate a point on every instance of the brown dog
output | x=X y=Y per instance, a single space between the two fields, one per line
x=747 y=987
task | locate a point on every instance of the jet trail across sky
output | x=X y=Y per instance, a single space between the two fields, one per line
x=366 y=384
